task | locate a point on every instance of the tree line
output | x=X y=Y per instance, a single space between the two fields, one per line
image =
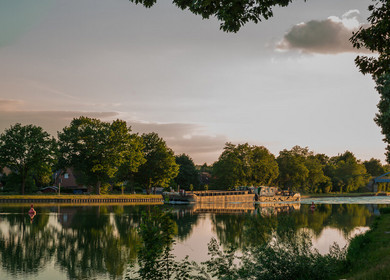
x=105 y=155
x=297 y=169
x=101 y=154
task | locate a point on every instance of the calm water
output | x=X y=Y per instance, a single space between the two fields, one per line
x=100 y=242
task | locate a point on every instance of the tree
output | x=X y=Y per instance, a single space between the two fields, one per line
x=242 y=165
x=132 y=161
x=265 y=169
x=300 y=169
x=188 y=175
x=382 y=118
x=375 y=38
x=98 y=149
x=346 y=172
x=232 y=14
x=227 y=171
x=292 y=168
x=374 y=167
x=27 y=150
x=160 y=166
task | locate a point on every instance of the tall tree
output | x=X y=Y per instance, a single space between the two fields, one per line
x=98 y=149
x=382 y=118
x=375 y=37
x=232 y=167
x=347 y=173
x=160 y=166
x=26 y=150
x=374 y=167
x=300 y=169
x=242 y=165
x=188 y=174
x=292 y=168
x=265 y=169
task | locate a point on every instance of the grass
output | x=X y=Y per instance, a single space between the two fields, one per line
x=313 y=195
x=368 y=254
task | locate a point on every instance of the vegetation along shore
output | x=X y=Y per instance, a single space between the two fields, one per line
x=93 y=156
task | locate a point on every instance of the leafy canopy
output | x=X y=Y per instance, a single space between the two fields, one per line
x=243 y=165
x=27 y=150
x=160 y=166
x=375 y=38
x=188 y=174
x=97 y=149
x=232 y=14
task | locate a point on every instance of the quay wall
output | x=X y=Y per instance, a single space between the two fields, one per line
x=155 y=199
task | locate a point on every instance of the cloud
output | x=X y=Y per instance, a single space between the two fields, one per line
x=330 y=36
x=191 y=139
x=188 y=138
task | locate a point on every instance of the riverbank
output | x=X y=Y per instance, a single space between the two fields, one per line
x=368 y=254
x=80 y=199
x=322 y=195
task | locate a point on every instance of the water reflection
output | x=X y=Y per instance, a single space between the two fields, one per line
x=100 y=242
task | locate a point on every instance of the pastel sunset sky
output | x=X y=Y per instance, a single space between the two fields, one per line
x=287 y=81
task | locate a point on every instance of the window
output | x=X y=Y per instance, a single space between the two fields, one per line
x=66 y=176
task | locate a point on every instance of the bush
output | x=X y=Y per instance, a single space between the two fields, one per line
x=384 y=210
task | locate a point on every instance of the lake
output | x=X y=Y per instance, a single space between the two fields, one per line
x=99 y=242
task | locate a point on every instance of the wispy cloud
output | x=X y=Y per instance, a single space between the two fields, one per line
x=330 y=36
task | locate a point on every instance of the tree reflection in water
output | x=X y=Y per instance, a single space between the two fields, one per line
x=26 y=247
x=89 y=242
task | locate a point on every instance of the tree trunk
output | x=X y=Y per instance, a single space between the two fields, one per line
x=99 y=183
x=23 y=184
x=149 y=186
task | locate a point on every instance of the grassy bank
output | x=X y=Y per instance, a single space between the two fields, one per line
x=321 y=195
x=368 y=254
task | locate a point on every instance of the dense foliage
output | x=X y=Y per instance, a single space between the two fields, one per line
x=160 y=166
x=244 y=165
x=98 y=149
x=104 y=155
x=375 y=37
x=188 y=174
x=28 y=151
x=285 y=253
x=375 y=168
x=383 y=116
x=232 y=14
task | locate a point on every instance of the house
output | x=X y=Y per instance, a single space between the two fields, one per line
x=67 y=181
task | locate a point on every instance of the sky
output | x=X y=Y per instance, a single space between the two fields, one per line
x=290 y=80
